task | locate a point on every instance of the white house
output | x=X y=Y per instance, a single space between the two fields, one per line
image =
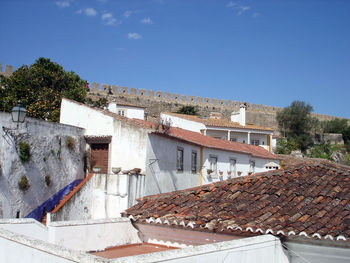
x=236 y=129
x=171 y=158
x=127 y=110
x=178 y=159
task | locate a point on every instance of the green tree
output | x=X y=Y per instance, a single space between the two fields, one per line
x=189 y=110
x=40 y=87
x=285 y=146
x=335 y=126
x=295 y=122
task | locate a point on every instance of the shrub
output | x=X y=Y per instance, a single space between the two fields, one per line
x=47 y=180
x=23 y=183
x=70 y=143
x=24 y=152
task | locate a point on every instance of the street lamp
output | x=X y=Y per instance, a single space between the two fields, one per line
x=18 y=113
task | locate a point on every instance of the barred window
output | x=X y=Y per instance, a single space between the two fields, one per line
x=180 y=159
x=194 y=162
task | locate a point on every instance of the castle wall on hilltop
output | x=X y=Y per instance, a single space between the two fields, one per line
x=157 y=101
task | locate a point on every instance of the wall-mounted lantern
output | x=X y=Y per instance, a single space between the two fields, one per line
x=18 y=113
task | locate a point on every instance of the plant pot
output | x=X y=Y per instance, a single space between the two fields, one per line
x=125 y=171
x=116 y=170
x=133 y=172
x=137 y=170
x=97 y=169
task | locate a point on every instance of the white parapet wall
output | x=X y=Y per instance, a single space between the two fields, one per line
x=93 y=235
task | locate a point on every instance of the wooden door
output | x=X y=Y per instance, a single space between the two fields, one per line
x=99 y=156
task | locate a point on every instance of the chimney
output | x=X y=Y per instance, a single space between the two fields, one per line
x=239 y=116
x=112 y=106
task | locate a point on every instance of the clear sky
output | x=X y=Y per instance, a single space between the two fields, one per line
x=267 y=52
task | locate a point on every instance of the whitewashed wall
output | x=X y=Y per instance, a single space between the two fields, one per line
x=128 y=146
x=162 y=175
x=93 y=235
x=183 y=123
x=93 y=121
x=26 y=226
x=133 y=112
x=102 y=196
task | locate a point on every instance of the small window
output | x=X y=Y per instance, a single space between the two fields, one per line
x=255 y=142
x=180 y=159
x=252 y=167
x=213 y=160
x=233 y=167
x=243 y=141
x=121 y=112
x=194 y=162
x=18 y=214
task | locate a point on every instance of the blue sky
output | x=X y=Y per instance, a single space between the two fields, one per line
x=261 y=51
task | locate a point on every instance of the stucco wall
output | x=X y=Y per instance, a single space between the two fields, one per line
x=49 y=157
x=183 y=123
x=93 y=235
x=162 y=175
x=132 y=112
x=320 y=252
x=26 y=226
x=102 y=196
x=128 y=146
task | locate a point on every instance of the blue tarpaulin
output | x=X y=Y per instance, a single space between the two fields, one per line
x=51 y=203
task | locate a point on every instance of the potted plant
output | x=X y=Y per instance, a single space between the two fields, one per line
x=116 y=170
x=125 y=171
x=132 y=172
x=209 y=171
x=97 y=169
x=137 y=170
x=229 y=174
x=239 y=173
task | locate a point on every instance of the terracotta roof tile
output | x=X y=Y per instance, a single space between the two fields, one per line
x=284 y=205
x=218 y=122
x=210 y=142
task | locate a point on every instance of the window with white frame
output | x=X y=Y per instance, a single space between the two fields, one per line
x=233 y=167
x=255 y=142
x=213 y=161
x=121 y=112
x=194 y=162
x=180 y=159
x=251 y=167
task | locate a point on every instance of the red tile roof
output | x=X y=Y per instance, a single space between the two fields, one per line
x=307 y=201
x=210 y=142
x=218 y=122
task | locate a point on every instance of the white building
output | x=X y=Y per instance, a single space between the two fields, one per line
x=236 y=129
x=127 y=110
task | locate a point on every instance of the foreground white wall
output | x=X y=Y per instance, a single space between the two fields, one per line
x=262 y=249
x=93 y=235
x=102 y=196
x=26 y=226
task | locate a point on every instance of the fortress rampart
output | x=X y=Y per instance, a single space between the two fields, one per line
x=211 y=104
x=158 y=101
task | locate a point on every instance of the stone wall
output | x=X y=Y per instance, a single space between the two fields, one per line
x=49 y=156
x=156 y=102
